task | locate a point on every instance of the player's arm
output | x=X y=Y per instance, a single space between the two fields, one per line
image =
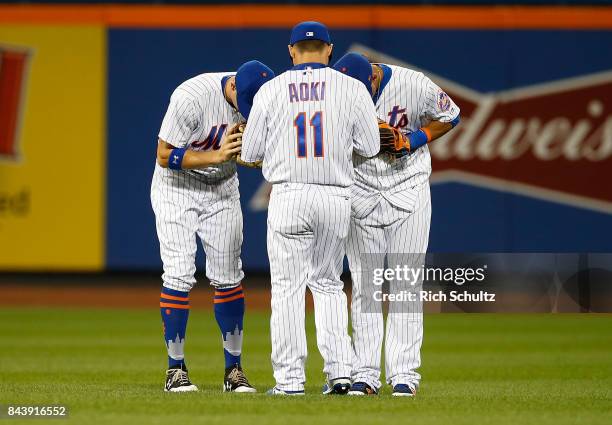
x=366 y=137
x=179 y=128
x=256 y=133
x=169 y=156
x=440 y=113
x=437 y=129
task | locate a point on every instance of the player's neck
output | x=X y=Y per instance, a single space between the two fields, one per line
x=226 y=93
x=379 y=76
x=310 y=57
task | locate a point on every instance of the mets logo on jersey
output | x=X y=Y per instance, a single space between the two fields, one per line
x=443 y=101
x=212 y=141
x=551 y=141
x=13 y=75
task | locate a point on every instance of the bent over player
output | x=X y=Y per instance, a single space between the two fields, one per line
x=391 y=215
x=305 y=124
x=195 y=194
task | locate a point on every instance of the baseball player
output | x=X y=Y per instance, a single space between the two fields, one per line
x=194 y=193
x=305 y=124
x=391 y=215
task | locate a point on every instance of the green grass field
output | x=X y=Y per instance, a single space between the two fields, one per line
x=107 y=366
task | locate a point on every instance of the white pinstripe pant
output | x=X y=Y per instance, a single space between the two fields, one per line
x=307 y=230
x=186 y=207
x=387 y=230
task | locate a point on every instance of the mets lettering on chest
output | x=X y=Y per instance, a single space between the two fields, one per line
x=212 y=141
x=398 y=117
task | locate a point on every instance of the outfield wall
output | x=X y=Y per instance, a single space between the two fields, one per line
x=528 y=169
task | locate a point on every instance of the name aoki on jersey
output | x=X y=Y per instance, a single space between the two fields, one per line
x=314 y=91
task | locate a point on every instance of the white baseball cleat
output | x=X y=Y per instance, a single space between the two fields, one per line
x=276 y=391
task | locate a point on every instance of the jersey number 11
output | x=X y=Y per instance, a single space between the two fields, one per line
x=316 y=122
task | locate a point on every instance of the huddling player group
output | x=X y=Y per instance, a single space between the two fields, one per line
x=314 y=131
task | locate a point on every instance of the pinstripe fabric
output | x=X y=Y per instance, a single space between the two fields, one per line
x=391 y=215
x=307 y=230
x=391 y=178
x=309 y=210
x=387 y=230
x=186 y=207
x=347 y=126
x=196 y=106
x=200 y=203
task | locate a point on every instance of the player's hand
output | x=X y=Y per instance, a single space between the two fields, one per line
x=230 y=148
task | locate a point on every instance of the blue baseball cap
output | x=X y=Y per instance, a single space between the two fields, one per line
x=357 y=66
x=249 y=79
x=309 y=30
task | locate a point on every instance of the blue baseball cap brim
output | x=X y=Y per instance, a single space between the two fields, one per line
x=249 y=79
x=309 y=30
x=357 y=66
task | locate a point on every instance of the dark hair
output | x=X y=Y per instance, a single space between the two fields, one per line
x=310 y=45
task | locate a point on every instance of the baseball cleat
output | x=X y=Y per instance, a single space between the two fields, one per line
x=361 y=388
x=177 y=380
x=276 y=391
x=235 y=381
x=404 y=390
x=339 y=386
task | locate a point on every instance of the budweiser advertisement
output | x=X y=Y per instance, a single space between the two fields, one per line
x=551 y=141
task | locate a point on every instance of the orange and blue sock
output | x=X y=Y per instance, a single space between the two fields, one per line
x=174 y=307
x=229 y=312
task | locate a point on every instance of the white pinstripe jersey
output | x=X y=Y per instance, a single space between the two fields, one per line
x=409 y=100
x=197 y=118
x=305 y=125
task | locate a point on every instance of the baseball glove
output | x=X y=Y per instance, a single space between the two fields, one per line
x=256 y=164
x=239 y=128
x=393 y=141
